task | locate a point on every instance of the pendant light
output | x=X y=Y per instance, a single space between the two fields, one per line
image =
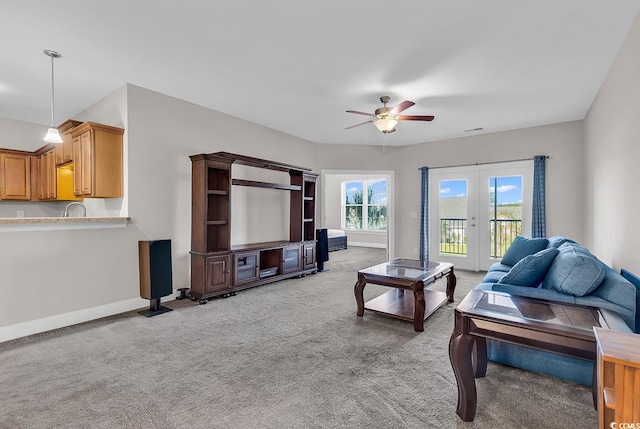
x=53 y=136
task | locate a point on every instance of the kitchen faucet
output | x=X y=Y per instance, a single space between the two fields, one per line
x=66 y=209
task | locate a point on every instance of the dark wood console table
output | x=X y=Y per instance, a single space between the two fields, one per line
x=406 y=274
x=554 y=327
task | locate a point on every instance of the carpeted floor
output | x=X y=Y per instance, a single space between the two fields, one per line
x=291 y=354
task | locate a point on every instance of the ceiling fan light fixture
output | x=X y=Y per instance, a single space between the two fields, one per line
x=385 y=124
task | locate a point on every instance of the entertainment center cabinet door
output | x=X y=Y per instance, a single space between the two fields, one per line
x=218 y=274
x=309 y=255
x=291 y=258
x=245 y=268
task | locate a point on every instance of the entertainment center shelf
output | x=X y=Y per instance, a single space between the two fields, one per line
x=256 y=184
x=217 y=268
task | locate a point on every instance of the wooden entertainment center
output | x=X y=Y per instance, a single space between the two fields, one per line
x=217 y=267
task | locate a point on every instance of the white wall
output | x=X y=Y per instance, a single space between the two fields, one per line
x=612 y=156
x=562 y=142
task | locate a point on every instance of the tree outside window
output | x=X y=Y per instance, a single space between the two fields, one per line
x=365 y=210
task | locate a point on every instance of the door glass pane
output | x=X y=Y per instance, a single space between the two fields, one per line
x=291 y=258
x=505 y=213
x=453 y=217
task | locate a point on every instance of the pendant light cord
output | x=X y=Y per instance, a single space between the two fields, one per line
x=52 y=93
x=53 y=55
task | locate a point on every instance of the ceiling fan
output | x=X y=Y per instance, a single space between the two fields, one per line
x=386 y=118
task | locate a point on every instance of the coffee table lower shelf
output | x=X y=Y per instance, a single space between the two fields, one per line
x=400 y=303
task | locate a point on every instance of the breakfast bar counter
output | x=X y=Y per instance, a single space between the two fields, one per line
x=60 y=223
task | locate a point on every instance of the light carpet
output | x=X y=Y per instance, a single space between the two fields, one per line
x=291 y=354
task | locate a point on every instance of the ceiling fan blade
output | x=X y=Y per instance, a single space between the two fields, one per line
x=361 y=113
x=416 y=118
x=357 y=125
x=401 y=107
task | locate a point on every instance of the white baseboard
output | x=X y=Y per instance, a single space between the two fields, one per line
x=37 y=326
x=374 y=245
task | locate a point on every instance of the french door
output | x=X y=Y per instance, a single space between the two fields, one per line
x=475 y=212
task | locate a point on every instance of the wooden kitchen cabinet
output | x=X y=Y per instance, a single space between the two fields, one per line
x=64 y=151
x=15 y=175
x=51 y=182
x=48 y=181
x=97 y=160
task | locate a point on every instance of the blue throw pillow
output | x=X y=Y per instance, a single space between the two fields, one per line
x=575 y=271
x=531 y=270
x=522 y=247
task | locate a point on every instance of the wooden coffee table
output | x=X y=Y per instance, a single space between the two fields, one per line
x=543 y=325
x=406 y=274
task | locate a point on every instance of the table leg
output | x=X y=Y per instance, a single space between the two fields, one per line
x=460 y=351
x=480 y=357
x=594 y=385
x=358 y=290
x=418 y=310
x=451 y=284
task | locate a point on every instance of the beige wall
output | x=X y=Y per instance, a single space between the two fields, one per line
x=612 y=156
x=164 y=131
x=562 y=142
x=48 y=273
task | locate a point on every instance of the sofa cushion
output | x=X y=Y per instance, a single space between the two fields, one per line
x=531 y=270
x=521 y=247
x=493 y=276
x=533 y=292
x=574 y=271
x=500 y=267
x=558 y=240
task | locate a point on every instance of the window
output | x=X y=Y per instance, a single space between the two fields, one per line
x=365 y=210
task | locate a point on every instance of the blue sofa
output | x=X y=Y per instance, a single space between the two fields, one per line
x=559 y=269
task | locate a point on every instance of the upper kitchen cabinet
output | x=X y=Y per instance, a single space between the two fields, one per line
x=64 y=151
x=15 y=175
x=48 y=189
x=97 y=160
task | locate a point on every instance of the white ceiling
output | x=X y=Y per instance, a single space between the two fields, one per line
x=296 y=66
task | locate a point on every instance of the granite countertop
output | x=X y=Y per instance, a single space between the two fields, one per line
x=18 y=224
x=27 y=220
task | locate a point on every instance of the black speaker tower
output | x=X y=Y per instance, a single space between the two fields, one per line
x=322 y=248
x=155 y=274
